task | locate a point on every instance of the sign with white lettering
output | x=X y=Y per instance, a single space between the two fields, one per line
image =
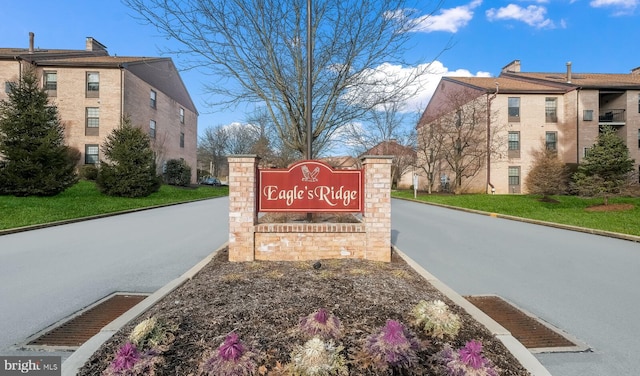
x=310 y=186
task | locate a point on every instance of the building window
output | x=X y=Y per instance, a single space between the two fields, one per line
x=514 y=179
x=181 y=139
x=93 y=84
x=638 y=138
x=92 y=121
x=514 y=144
x=152 y=129
x=638 y=103
x=152 y=99
x=51 y=83
x=587 y=115
x=585 y=152
x=8 y=85
x=551 y=110
x=91 y=154
x=181 y=115
x=551 y=141
x=514 y=109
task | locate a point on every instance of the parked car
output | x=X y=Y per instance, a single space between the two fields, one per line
x=210 y=181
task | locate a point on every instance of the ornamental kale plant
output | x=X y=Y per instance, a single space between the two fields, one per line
x=318 y=358
x=153 y=334
x=322 y=324
x=130 y=362
x=435 y=319
x=231 y=359
x=467 y=361
x=394 y=347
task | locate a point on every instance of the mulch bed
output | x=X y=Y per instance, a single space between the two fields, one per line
x=263 y=302
x=610 y=208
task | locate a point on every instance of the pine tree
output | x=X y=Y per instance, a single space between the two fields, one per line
x=34 y=159
x=606 y=167
x=130 y=169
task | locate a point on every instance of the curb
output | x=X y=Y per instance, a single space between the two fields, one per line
x=609 y=234
x=79 y=357
x=524 y=356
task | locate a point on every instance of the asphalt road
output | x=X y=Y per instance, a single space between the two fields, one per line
x=48 y=274
x=586 y=285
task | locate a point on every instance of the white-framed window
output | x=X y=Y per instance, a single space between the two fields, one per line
x=50 y=83
x=514 y=144
x=587 y=115
x=514 y=179
x=181 y=115
x=551 y=110
x=153 y=99
x=551 y=140
x=181 y=139
x=93 y=117
x=152 y=128
x=514 y=108
x=91 y=154
x=93 y=84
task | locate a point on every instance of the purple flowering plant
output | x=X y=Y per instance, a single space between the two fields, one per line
x=393 y=347
x=321 y=324
x=232 y=358
x=467 y=361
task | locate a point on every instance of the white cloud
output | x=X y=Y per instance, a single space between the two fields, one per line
x=533 y=15
x=423 y=87
x=449 y=20
x=621 y=7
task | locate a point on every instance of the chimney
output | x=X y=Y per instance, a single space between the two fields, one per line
x=569 y=72
x=94 y=45
x=513 y=66
x=31 y=38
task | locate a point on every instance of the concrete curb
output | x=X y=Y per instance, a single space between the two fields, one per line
x=524 y=356
x=610 y=234
x=79 y=357
x=72 y=364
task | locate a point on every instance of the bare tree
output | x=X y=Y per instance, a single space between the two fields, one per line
x=429 y=155
x=459 y=136
x=257 y=49
x=384 y=123
x=212 y=148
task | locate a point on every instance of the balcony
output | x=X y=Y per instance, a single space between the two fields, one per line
x=612 y=117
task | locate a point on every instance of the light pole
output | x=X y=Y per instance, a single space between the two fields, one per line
x=309 y=83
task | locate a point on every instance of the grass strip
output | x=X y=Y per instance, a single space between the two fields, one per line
x=84 y=200
x=568 y=210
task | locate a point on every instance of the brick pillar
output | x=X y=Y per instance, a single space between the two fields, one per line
x=377 y=207
x=243 y=213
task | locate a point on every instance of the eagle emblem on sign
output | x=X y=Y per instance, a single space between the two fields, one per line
x=310 y=176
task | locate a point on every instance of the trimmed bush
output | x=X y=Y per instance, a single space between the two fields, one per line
x=177 y=172
x=88 y=172
x=131 y=169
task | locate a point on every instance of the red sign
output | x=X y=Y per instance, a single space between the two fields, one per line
x=310 y=186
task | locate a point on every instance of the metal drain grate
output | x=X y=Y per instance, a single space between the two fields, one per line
x=85 y=325
x=534 y=334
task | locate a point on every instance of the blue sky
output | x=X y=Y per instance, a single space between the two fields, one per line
x=595 y=35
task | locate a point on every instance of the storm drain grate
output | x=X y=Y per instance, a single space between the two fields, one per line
x=534 y=334
x=85 y=325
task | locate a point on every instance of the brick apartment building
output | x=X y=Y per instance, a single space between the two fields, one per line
x=94 y=91
x=523 y=111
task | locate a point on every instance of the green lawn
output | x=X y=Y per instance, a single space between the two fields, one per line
x=570 y=210
x=84 y=199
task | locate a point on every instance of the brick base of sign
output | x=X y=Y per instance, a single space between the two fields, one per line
x=370 y=240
